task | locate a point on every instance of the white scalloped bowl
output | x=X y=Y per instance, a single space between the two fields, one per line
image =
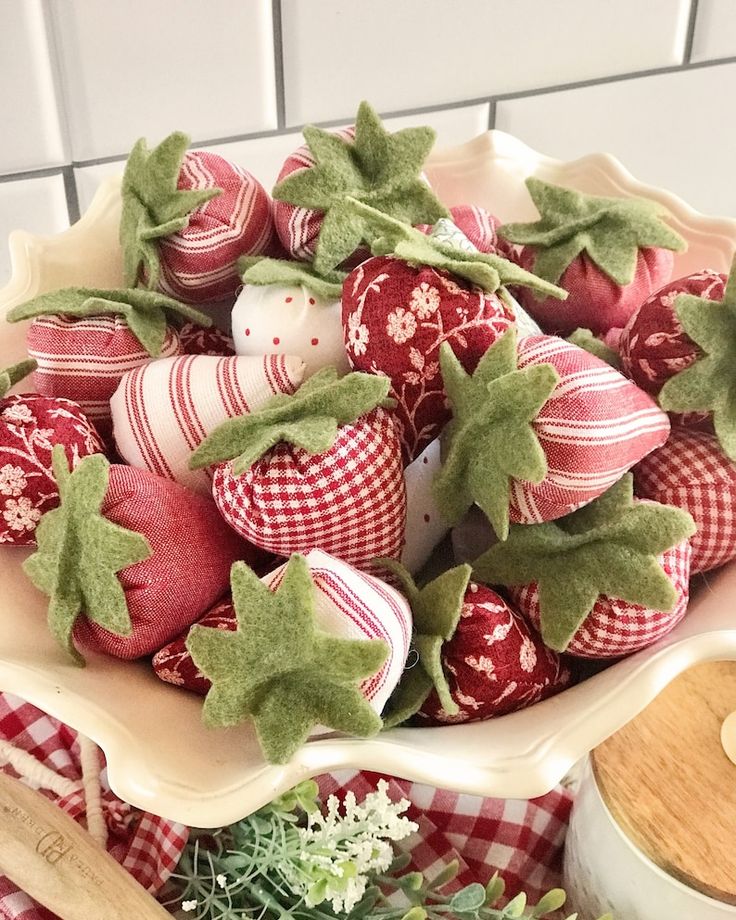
x=159 y=755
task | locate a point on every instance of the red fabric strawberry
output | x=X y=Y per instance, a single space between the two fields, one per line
x=320 y=469
x=609 y=254
x=188 y=215
x=200 y=340
x=690 y=471
x=141 y=557
x=481 y=229
x=30 y=426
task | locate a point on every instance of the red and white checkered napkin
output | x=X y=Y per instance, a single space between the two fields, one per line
x=147 y=846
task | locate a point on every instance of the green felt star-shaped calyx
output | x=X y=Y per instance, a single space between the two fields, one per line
x=609 y=547
x=80 y=553
x=309 y=419
x=280 y=669
x=490 y=439
x=153 y=206
x=436 y=610
x=378 y=168
x=389 y=236
x=708 y=385
x=263 y=270
x=15 y=373
x=145 y=312
x=589 y=342
x=611 y=231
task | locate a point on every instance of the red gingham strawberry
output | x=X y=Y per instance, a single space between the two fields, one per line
x=200 y=340
x=320 y=469
x=30 y=426
x=690 y=471
x=188 y=215
x=609 y=254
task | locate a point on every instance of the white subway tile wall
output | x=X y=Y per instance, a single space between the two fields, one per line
x=81 y=80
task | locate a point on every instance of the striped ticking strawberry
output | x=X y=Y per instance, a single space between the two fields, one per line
x=163 y=410
x=320 y=469
x=188 y=215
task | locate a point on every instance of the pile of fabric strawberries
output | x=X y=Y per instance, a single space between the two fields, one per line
x=251 y=504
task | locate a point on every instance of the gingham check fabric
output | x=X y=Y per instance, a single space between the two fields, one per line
x=691 y=472
x=147 y=846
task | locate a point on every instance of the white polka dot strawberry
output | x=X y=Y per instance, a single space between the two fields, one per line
x=476 y=657
x=609 y=254
x=416 y=293
x=425 y=525
x=128 y=559
x=287 y=308
x=607 y=580
x=690 y=471
x=85 y=339
x=376 y=167
x=163 y=410
x=30 y=426
x=541 y=428
x=188 y=215
x=319 y=469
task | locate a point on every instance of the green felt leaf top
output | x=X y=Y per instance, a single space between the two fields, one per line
x=80 y=553
x=436 y=610
x=382 y=169
x=589 y=342
x=610 y=230
x=490 y=439
x=389 y=236
x=145 y=312
x=15 y=373
x=609 y=547
x=280 y=669
x=153 y=207
x=708 y=385
x=263 y=270
x=309 y=419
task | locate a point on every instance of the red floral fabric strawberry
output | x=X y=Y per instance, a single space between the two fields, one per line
x=396 y=316
x=690 y=471
x=30 y=426
x=200 y=340
x=495 y=664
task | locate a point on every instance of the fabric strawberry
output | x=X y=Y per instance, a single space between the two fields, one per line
x=85 y=339
x=30 y=426
x=363 y=606
x=370 y=164
x=539 y=430
x=690 y=471
x=163 y=410
x=425 y=525
x=603 y=582
x=320 y=469
x=333 y=667
x=196 y=339
x=188 y=215
x=416 y=293
x=286 y=308
x=128 y=559
x=480 y=227
x=477 y=658
x=609 y=254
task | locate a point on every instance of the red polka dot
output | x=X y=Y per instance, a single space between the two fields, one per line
x=312 y=301
x=315 y=341
x=289 y=299
x=276 y=340
x=426 y=519
x=247 y=331
x=426 y=460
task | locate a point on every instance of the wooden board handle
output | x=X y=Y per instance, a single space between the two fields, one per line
x=48 y=855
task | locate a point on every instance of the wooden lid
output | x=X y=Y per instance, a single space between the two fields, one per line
x=668 y=783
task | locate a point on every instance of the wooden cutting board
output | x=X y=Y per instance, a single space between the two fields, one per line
x=670 y=786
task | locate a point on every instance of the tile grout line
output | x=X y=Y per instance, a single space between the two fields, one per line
x=690 y=35
x=278 y=57
x=492 y=113
x=72 y=194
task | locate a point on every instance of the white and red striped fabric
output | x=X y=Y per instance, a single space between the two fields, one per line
x=614 y=627
x=164 y=410
x=84 y=360
x=691 y=472
x=198 y=264
x=349 y=501
x=594 y=427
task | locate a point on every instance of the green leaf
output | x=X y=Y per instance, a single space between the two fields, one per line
x=553 y=900
x=610 y=547
x=469 y=899
x=445 y=875
x=80 y=553
x=378 y=168
x=286 y=680
x=309 y=419
x=494 y=890
x=491 y=440
x=262 y=270
x=516 y=906
x=585 y=339
x=15 y=373
x=611 y=231
x=145 y=312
